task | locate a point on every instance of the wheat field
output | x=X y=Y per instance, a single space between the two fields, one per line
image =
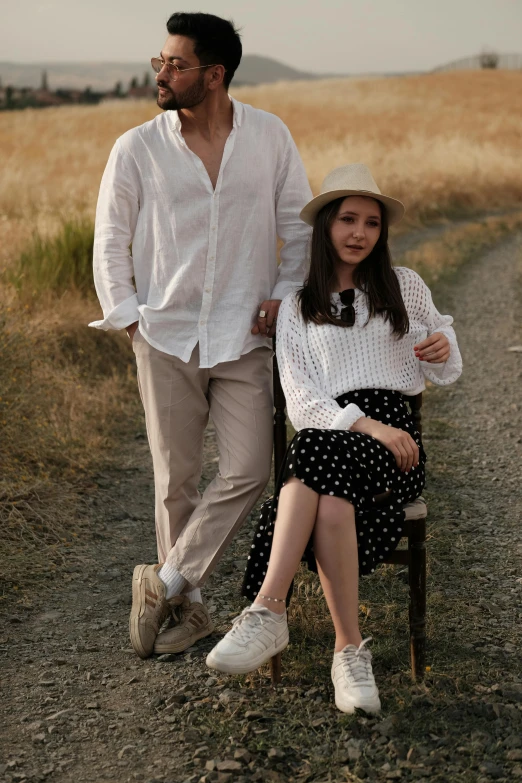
x=440 y=142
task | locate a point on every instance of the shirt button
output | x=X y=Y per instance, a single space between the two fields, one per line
x=208 y=290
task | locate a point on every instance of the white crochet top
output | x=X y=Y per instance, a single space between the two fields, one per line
x=319 y=363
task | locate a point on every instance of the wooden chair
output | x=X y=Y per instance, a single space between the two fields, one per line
x=414 y=529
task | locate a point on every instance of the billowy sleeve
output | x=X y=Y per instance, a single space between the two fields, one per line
x=116 y=217
x=418 y=296
x=292 y=193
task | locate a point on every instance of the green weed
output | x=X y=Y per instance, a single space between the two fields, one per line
x=59 y=263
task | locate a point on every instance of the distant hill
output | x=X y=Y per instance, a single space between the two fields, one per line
x=255 y=69
x=103 y=76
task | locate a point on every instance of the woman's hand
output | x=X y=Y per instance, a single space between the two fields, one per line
x=401 y=445
x=435 y=349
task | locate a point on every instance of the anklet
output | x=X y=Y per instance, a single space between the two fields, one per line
x=268 y=598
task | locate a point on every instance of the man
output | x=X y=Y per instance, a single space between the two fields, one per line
x=201 y=193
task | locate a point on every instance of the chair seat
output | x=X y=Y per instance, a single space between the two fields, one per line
x=414 y=512
x=417 y=509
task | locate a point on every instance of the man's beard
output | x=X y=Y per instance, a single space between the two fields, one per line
x=192 y=96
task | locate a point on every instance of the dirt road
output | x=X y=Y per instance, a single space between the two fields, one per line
x=78 y=705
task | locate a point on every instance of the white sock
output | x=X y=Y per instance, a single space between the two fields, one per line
x=172 y=579
x=194 y=594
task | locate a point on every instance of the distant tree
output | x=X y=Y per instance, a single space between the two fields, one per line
x=118 y=90
x=9 y=103
x=146 y=79
x=133 y=83
x=44 y=85
x=489 y=60
x=88 y=96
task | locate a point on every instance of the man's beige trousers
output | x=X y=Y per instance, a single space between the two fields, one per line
x=193 y=530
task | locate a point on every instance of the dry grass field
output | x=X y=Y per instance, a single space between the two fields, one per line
x=441 y=142
x=447 y=144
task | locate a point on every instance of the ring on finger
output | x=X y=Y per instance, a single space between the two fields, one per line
x=262 y=314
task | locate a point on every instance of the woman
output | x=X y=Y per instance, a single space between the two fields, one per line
x=356 y=338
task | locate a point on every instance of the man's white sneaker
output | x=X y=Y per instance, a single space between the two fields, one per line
x=353 y=679
x=256 y=635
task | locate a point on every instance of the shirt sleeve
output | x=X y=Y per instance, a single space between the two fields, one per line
x=307 y=404
x=442 y=373
x=292 y=193
x=116 y=218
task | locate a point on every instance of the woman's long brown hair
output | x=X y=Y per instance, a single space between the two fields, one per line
x=374 y=275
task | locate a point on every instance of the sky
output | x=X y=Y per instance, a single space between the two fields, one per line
x=323 y=36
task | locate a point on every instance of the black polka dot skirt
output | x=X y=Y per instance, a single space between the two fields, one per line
x=352 y=466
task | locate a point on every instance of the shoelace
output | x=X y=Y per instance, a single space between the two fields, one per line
x=356 y=662
x=177 y=607
x=160 y=614
x=161 y=610
x=242 y=627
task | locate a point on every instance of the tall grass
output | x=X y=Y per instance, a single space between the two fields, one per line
x=442 y=143
x=58 y=263
x=67 y=396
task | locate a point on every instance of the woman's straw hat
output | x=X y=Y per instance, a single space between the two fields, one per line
x=355 y=179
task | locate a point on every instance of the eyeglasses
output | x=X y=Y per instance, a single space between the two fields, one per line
x=174 y=70
x=348 y=311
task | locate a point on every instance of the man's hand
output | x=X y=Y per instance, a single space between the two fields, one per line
x=266 y=324
x=435 y=349
x=399 y=442
x=131 y=330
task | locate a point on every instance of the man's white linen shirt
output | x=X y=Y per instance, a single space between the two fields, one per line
x=202 y=259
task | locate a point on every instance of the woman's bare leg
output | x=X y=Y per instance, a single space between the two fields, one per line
x=335 y=549
x=295 y=521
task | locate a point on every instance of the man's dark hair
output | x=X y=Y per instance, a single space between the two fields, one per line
x=216 y=41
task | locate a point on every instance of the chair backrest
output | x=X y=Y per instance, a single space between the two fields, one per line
x=280 y=439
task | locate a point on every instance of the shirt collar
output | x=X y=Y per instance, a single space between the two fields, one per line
x=238 y=112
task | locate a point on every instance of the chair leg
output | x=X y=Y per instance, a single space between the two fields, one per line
x=275 y=664
x=417 y=579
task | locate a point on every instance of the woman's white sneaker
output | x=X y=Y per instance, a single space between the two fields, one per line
x=255 y=637
x=353 y=679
